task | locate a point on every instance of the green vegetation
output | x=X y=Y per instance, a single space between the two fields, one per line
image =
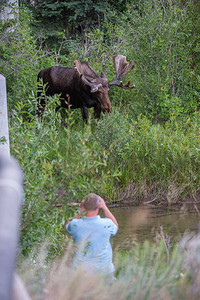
x=151 y=271
x=147 y=147
x=61 y=165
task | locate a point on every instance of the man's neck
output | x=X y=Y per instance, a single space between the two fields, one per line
x=91 y=213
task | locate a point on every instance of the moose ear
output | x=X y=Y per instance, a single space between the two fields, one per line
x=95 y=88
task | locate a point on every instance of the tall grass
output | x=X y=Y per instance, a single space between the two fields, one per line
x=149 y=271
x=143 y=152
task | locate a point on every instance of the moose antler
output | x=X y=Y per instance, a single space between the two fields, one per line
x=88 y=75
x=122 y=68
x=94 y=86
x=84 y=69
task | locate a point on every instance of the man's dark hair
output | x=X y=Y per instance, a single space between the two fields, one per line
x=91 y=201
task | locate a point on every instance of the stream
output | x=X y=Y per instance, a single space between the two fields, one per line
x=137 y=224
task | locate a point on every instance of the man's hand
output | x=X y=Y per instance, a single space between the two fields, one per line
x=82 y=207
x=102 y=203
x=80 y=211
x=107 y=212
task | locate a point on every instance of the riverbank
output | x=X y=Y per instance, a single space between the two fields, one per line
x=155 y=196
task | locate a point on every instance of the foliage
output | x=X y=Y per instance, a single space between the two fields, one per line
x=142 y=151
x=66 y=18
x=164 y=45
x=48 y=154
x=20 y=60
x=130 y=147
x=61 y=165
x=150 y=271
x=2 y=140
x=160 y=38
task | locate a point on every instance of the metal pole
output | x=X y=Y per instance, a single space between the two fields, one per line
x=4 y=134
x=11 y=195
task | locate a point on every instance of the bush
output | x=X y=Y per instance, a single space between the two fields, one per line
x=21 y=60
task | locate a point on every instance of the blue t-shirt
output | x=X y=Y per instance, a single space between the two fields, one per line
x=92 y=237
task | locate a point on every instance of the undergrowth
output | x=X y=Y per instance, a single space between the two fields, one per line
x=115 y=157
x=146 y=149
x=156 y=270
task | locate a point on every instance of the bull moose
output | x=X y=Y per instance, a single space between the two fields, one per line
x=81 y=87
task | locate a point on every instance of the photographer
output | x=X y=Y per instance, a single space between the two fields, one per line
x=91 y=234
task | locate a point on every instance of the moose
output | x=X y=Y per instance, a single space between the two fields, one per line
x=81 y=87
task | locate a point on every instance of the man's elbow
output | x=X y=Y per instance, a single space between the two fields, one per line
x=117 y=225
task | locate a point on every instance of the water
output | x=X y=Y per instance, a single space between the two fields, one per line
x=137 y=224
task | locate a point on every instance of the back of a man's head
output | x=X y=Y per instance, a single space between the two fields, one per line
x=91 y=202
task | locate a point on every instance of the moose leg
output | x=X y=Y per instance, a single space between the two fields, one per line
x=65 y=102
x=84 y=111
x=97 y=111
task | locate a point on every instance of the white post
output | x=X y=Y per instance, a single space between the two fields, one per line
x=7 y=12
x=11 y=197
x=4 y=133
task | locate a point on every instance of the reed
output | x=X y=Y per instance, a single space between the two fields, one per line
x=144 y=152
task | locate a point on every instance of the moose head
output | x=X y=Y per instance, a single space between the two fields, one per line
x=100 y=85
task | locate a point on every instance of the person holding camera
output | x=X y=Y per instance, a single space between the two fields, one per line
x=91 y=234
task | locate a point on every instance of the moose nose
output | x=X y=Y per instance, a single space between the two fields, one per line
x=107 y=109
x=110 y=109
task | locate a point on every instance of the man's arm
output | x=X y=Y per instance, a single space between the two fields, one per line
x=107 y=212
x=80 y=211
